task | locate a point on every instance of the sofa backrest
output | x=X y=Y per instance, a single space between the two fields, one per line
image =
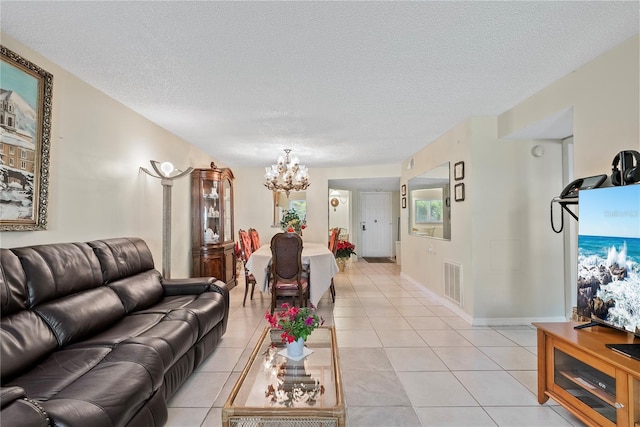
x=127 y=268
x=24 y=336
x=57 y=294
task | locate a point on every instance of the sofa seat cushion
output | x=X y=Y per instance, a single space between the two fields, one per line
x=128 y=327
x=59 y=370
x=209 y=310
x=171 y=334
x=109 y=394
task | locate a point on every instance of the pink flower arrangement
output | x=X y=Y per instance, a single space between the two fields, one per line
x=295 y=322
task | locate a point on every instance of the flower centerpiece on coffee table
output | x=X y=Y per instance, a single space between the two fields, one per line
x=292 y=223
x=344 y=250
x=296 y=325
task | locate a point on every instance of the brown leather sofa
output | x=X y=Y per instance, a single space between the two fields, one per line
x=91 y=335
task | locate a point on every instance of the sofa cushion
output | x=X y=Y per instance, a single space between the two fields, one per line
x=112 y=392
x=122 y=257
x=140 y=291
x=55 y=271
x=170 y=335
x=60 y=369
x=24 y=340
x=128 y=327
x=81 y=315
x=208 y=309
x=13 y=284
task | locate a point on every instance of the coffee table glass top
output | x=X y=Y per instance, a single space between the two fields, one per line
x=271 y=380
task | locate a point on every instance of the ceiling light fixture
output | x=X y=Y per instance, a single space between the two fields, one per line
x=287 y=174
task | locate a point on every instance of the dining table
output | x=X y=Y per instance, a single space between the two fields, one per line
x=322 y=267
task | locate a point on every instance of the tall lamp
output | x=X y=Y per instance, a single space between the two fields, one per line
x=164 y=172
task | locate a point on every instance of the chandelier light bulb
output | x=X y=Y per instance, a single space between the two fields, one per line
x=287 y=174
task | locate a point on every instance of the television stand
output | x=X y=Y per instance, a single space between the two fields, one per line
x=598 y=385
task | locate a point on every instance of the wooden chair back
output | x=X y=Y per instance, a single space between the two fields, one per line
x=245 y=244
x=255 y=239
x=333 y=239
x=286 y=268
x=245 y=251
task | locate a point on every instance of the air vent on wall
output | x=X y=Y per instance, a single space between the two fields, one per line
x=453 y=281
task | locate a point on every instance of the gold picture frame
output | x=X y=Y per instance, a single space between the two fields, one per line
x=25 y=118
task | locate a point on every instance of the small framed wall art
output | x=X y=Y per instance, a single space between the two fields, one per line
x=24 y=145
x=404 y=189
x=458 y=191
x=404 y=203
x=458 y=171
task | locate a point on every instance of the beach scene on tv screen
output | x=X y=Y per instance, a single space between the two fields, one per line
x=609 y=256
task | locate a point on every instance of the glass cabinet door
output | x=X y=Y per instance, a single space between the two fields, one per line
x=587 y=384
x=211 y=211
x=228 y=232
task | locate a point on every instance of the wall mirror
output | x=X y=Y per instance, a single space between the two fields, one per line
x=281 y=202
x=430 y=204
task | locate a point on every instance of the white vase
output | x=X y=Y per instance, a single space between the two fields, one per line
x=295 y=349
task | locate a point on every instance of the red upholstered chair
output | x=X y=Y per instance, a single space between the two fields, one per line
x=333 y=247
x=245 y=249
x=255 y=239
x=287 y=279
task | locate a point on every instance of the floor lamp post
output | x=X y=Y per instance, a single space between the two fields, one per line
x=164 y=171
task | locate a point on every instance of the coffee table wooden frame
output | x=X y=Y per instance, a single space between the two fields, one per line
x=246 y=416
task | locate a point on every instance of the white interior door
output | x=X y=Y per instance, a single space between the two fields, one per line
x=375 y=225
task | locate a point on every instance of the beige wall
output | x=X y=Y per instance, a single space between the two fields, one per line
x=513 y=264
x=605 y=97
x=96 y=188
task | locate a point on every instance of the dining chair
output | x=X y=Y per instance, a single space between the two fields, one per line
x=245 y=253
x=255 y=239
x=287 y=278
x=333 y=247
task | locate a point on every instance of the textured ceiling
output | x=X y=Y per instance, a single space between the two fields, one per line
x=341 y=83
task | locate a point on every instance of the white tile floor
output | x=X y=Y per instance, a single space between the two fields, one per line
x=406 y=360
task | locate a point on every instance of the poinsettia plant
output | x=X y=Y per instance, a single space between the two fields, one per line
x=295 y=322
x=345 y=249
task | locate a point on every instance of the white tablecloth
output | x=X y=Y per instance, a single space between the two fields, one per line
x=321 y=262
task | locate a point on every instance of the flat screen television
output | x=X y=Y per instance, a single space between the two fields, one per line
x=609 y=256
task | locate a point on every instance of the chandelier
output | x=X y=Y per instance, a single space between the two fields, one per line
x=287 y=174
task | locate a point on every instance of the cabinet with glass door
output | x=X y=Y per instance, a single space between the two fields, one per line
x=212 y=224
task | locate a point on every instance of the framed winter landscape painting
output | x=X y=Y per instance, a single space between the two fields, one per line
x=25 y=128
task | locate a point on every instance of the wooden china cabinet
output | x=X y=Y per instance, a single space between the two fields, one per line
x=212 y=235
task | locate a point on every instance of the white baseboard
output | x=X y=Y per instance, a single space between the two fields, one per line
x=483 y=321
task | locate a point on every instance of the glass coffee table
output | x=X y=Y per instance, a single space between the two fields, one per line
x=274 y=390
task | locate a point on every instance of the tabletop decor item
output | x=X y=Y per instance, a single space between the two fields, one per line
x=292 y=223
x=343 y=252
x=292 y=386
x=296 y=325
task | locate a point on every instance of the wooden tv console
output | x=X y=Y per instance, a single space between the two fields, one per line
x=598 y=385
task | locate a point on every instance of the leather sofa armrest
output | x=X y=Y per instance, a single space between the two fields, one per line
x=18 y=410
x=192 y=286
x=10 y=394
